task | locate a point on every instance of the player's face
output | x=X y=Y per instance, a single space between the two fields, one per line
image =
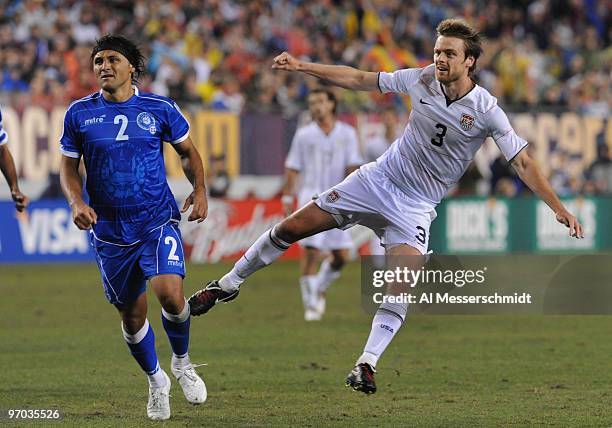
x=320 y=106
x=449 y=59
x=112 y=70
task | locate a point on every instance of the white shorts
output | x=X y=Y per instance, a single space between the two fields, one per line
x=369 y=198
x=334 y=239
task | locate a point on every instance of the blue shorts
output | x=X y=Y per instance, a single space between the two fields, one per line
x=126 y=269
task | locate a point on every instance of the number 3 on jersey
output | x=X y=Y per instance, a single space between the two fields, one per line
x=439 y=140
x=121 y=136
x=422 y=236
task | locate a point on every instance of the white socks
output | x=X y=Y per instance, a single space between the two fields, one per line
x=264 y=251
x=385 y=325
x=180 y=363
x=157 y=379
x=326 y=276
x=178 y=318
x=309 y=286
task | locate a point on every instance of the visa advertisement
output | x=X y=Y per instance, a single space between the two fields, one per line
x=45 y=233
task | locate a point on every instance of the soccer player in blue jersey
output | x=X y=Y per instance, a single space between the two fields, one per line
x=131 y=214
x=7 y=166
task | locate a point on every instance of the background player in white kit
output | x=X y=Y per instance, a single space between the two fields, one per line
x=396 y=195
x=379 y=144
x=322 y=154
x=376 y=147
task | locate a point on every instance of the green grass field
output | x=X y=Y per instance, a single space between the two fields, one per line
x=61 y=348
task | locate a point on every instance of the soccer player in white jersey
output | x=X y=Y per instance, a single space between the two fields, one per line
x=7 y=166
x=396 y=196
x=322 y=154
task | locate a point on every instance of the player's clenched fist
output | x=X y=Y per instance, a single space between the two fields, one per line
x=21 y=200
x=83 y=215
x=286 y=62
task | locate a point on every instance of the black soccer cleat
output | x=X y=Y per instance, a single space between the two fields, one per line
x=361 y=378
x=201 y=301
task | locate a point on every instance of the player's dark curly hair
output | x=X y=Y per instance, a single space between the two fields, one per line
x=330 y=96
x=461 y=30
x=125 y=47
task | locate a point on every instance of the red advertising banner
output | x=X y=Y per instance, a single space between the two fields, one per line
x=233 y=225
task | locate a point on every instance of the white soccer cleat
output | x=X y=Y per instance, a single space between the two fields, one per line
x=193 y=386
x=316 y=312
x=158 y=407
x=312 y=315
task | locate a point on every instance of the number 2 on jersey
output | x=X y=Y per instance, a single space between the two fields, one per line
x=121 y=136
x=440 y=140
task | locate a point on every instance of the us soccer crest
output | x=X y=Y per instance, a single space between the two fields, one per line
x=146 y=121
x=467 y=122
x=332 y=197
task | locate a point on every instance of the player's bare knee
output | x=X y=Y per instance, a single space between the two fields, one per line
x=172 y=304
x=133 y=322
x=338 y=261
x=337 y=264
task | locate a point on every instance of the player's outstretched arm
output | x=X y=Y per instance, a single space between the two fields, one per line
x=194 y=171
x=530 y=173
x=72 y=185
x=7 y=166
x=339 y=75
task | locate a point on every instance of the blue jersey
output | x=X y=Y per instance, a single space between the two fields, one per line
x=122 y=147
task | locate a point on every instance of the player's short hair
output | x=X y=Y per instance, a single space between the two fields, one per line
x=460 y=29
x=330 y=96
x=124 y=46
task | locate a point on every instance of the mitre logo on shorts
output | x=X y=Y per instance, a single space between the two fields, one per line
x=332 y=197
x=146 y=121
x=467 y=122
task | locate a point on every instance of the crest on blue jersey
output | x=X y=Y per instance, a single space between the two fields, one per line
x=146 y=121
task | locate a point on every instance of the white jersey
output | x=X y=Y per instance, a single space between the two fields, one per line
x=322 y=159
x=441 y=137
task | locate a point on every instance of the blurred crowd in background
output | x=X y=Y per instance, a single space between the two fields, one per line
x=217 y=53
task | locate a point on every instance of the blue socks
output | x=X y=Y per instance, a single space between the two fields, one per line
x=142 y=346
x=177 y=329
